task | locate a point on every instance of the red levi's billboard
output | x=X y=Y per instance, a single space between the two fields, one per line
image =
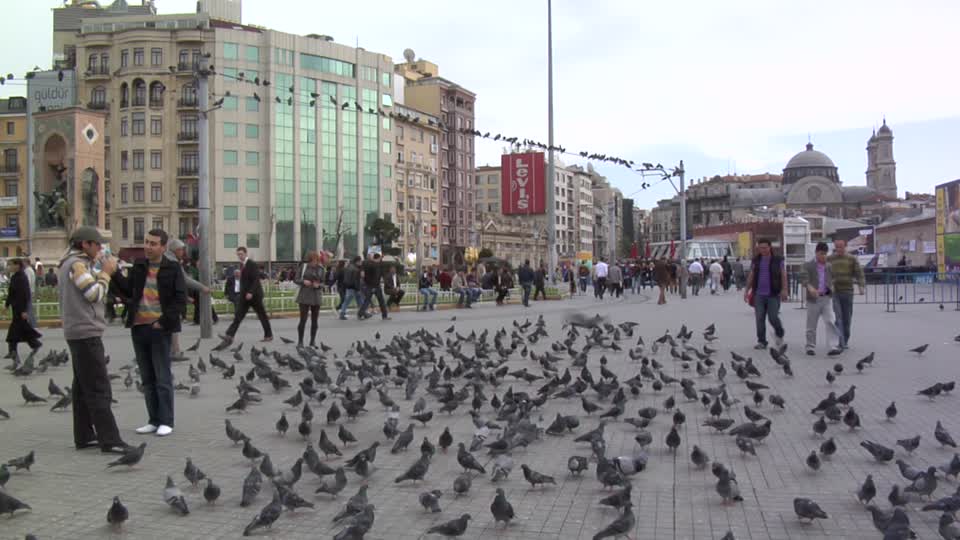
x=523 y=184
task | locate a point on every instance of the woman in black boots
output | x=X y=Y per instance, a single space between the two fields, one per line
x=309 y=297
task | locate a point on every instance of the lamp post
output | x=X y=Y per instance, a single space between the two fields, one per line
x=551 y=172
x=679 y=172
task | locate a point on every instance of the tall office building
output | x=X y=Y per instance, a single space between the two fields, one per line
x=298 y=127
x=424 y=89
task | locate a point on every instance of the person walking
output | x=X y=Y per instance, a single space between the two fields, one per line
x=427 y=291
x=31 y=275
x=615 y=280
x=540 y=282
x=716 y=277
x=817 y=280
x=372 y=272
x=727 y=273
x=251 y=296
x=661 y=275
x=391 y=285
x=351 y=288
x=583 y=273
x=338 y=275
x=766 y=288
x=525 y=277
x=309 y=297
x=696 y=276
x=157 y=294
x=846 y=270
x=176 y=252
x=50 y=280
x=231 y=288
x=601 y=271
x=82 y=293
x=739 y=274
x=19 y=300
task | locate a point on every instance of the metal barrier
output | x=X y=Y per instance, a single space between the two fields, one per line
x=892 y=289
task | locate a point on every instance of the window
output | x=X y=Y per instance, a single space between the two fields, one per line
x=253 y=185
x=124 y=232
x=327 y=65
x=156 y=94
x=188 y=125
x=387 y=171
x=98 y=97
x=139 y=123
x=11 y=188
x=124 y=58
x=386 y=78
x=156 y=57
x=253 y=240
x=229 y=74
x=253 y=158
x=387 y=100
x=387 y=147
x=138 y=160
x=230 y=185
x=252 y=105
x=252 y=53
x=124 y=164
x=156 y=192
x=158 y=223
x=231 y=51
x=230 y=103
x=253 y=213
x=138 y=56
x=138 y=230
x=123 y=196
x=138 y=192
x=283 y=56
x=252 y=131
x=229 y=213
x=124 y=127
x=92 y=63
x=156 y=159
x=229 y=129
x=104 y=62
x=156 y=125
x=230 y=241
x=229 y=157
x=184 y=58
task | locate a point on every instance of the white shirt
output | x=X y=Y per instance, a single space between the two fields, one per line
x=601 y=269
x=716 y=269
x=695 y=268
x=31 y=277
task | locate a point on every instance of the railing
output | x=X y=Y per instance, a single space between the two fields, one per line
x=156 y=103
x=97 y=105
x=124 y=103
x=8 y=168
x=139 y=102
x=98 y=71
x=188 y=171
x=187 y=136
x=896 y=288
x=187 y=103
x=186 y=66
x=182 y=204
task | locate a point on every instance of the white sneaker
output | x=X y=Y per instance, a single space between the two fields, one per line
x=163 y=431
x=149 y=428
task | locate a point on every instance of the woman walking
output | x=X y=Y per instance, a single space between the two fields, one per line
x=18 y=300
x=309 y=297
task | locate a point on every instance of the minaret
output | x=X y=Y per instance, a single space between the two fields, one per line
x=872 y=161
x=886 y=167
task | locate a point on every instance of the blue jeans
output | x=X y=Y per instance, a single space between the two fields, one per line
x=348 y=295
x=152 y=348
x=429 y=297
x=526 y=293
x=463 y=294
x=767 y=307
x=843 y=313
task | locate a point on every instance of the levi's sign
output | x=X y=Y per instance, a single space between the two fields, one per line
x=522 y=184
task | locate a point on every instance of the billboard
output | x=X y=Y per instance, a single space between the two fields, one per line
x=860 y=240
x=948 y=227
x=51 y=90
x=523 y=184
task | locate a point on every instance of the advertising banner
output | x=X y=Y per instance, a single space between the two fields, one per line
x=860 y=240
x=948 y=227
x=523 y=184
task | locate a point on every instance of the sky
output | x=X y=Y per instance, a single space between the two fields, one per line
x=735 y=86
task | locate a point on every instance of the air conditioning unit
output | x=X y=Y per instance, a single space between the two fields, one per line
x=433 y=148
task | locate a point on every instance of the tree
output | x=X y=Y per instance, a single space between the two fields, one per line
x=484 y=253
x=383 y=232
x=336 y=235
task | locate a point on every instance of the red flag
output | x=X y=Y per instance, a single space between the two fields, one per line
x=673 y=249
x=646 y=252
x=634 y=251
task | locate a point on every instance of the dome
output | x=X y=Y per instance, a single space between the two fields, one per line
x=809 y=158
x=884 y=129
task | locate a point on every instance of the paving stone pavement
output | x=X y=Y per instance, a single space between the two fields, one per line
x=71 y=491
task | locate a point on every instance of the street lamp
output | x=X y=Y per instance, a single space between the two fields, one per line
x=678 y=171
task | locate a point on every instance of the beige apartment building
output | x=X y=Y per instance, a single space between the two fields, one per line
x=417 y=184
x=13 y=174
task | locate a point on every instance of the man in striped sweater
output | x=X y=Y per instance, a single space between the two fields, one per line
x=846 y=270
x=82 y=292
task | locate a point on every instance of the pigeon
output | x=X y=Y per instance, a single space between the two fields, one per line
x=446 y=439
x=359 y=525
x=174 y=497
x=403 y=440
x=502 y=465
x=621 y=526
x=29 y=397
x=193 y=474
x=283 y=424
x=910 y=444
x=23 y=462
x=673 y=439
x=891 y=411
x=10 y=504
x=925 y=484
x=54 y=390
x=251 y=487
x=4 y=474
x=327 y=446
x=943 y=436
x=291 y=499
x=455 y=527
x=534 y=478
x=339 y=482
x=117 y=513
x=807 y=509
x=212 y=492
x=467 y=461
x=304 y=428
x=266 y=516
x=949 y=504
x=4 y=414
x=250 y=451
x=878 y=451
x=820 y=426
x=430 y=500
x=699 y=458
x=130 y=457
x=931 y=391
x=813 y=461
x=577 y=464
x=416 y=471
x=948 y=528
x=746 y=445
x=501 y=509
x=643 y=438
x=867 y=491
x=920 y=350
x=462 y=483
x=619 y=499
x=727 y=487
x=828 y=448
x=355 y=505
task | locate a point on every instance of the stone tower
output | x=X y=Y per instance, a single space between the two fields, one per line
x=881 y=168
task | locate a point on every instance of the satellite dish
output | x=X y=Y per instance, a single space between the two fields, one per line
x=409 y=55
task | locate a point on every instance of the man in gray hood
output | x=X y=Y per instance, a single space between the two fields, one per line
x=175 y=252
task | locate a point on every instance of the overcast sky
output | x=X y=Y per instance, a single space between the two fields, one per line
x=736 y=85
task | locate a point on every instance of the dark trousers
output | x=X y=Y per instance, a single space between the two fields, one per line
x=395 y=296
x=314 y=312
x=539 y=290
x=599 y=287
x=526 y=293
x=152 y=347
x=583 y=284
x=501 y=294
x=368 y=294
x=92 y=417
x=843 y=313
x=341 y=291
x=244 y=305
x=196 y=310
x=767 y=307
x=616 y=289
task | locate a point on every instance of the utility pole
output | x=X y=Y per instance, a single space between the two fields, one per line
x=551 y=172
x=200 y=75
x=683 y=227
x=419 y=251
x=612 y=223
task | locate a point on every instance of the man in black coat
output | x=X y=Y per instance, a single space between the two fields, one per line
x=251 y=296
x=371 y=274
x=18 y=300
x=156 y=295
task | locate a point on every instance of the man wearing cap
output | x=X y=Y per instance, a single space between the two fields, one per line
x=82 y=292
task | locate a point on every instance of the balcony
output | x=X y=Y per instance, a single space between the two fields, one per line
x=190 y=102
x=156 y=103
x=187 y=67
x=97 y=105
x=139 y=102
x=9 y=202
x=97 y=72
x=187 y=204
x=7 y=169
x=188 y=137
x=189 y=171
x=124 y=103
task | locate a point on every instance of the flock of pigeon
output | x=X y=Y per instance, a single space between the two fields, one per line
x=432 y=376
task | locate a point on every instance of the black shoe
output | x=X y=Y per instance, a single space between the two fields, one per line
x=835 y=352
x=760 y=346
x=811 y=352
x=119 y=448
x=386 y=317
x=88 y=444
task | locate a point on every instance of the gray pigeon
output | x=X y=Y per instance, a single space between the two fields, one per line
x=462 y=483
x=577 y=464
x=502 y=465
x=620 y=526
x=251 y=487
x=948 y=528
x=943 y=436
x=358 y=525
x=193 y=474
x=131 y=457
x=867 y=491
x=699 y=458
x=212 y=492
x=727 y=487
x=501 y=509
x=416 y=471
x=807 y=509
x=117 y=513
x=925 y=484
x=4 y=474
x=174 y=497
x=356 y=504
x=467 y=461
x=266 y=516
x=339 y=482
x=430 y=500
x=455 y=527
x=10 y=504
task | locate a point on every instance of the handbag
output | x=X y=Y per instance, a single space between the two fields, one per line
x=750 y=298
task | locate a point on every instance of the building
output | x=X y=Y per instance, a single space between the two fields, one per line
x=13 y=172
x=910 y=237
x=423 y=89
x=608 y=219
x=881 y=167
x=514 y=238
x=665 y=220
x=298 y=129
x=642 y=227
x=417 y=184
x=629 y=228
